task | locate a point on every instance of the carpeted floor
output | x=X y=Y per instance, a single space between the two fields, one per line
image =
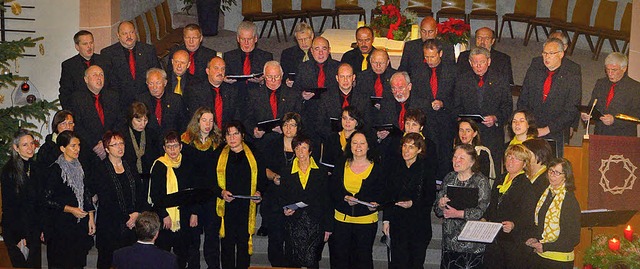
x=520 y=59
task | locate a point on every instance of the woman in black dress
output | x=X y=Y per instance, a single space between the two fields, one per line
x=305 y=228
x=510 y=200
x=142 y=145
x=20 y=197
x=468 y=133
x=71 y=211
x=412 y=192
x=358 y=178
x=121 y=197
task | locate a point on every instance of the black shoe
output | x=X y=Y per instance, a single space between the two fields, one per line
x=263 y=231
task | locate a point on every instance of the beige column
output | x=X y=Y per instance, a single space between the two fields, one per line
x=101 y=18
x=634 y=45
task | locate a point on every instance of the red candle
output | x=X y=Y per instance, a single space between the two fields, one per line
x=614 y=244
x=628 y=233
x=587 y=266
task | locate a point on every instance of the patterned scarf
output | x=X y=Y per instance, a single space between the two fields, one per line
x=138 y=148
x=73 y=175
x=552 y=218
x=197 y=143
x=172 y=187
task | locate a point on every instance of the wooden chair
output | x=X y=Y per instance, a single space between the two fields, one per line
x=349 y=7
x=605 y=16
x=421 y=7
x=142 y=32
x=452 y=9
x=613 y=35
x=165 y=30
x=162 y=45
x=558 y=14
x=252 y=11
x=314 y=9
x=523 y=11
x=376 y=10
x=284 y=10
x=484 y=10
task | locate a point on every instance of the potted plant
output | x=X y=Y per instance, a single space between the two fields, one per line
x=208 y=13
x=455 y=32
x=392 y=23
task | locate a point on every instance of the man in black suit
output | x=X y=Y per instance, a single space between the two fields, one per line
x=246 y=60
x=359 y=58
x=617 y=93
x=168 y=112
x=221 y=97
x=129 y=60
x=434 y=81
x=293 y=56
x=144 y=254
x=501 y=62
x=392 y=110
x=199 y=56
x=179 y=80
x=375 y=82
x=483 y=91
x=318 y=72
x=95 y=111
x=412 y=52
x=551 y=90
x=72 y=77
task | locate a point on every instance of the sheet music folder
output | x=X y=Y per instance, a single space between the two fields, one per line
x=462 y=197
x=585 y=109
x=605 y=218
x=268 y=125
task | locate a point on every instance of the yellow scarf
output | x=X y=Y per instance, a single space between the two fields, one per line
x=303 y=175
x=504 y=187
x=197 y=143
x=172 y=187
x=515 y=140
x=552 y=218
x=535 y=176
x=343 y=140
x=221 y=171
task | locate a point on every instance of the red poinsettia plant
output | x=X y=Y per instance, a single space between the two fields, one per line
x=454 y=31
x=392 y=24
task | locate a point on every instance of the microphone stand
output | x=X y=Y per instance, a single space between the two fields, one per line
x=586 y=133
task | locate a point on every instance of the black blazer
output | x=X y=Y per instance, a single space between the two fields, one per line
x=152 y=150
x=372 y=190
x=514 y=206
x=559 y=112
x=501 y=62
x=144 y=256
x=20 y=209
x=122 y=81
x=354 y=58
x=187 y=81
x=234 y=61
x=416 y=183
x=413 y=56
x=290 y=59
x=260 y=108
x=203 y=95
x=174 y=112
x=626 y=100
x=390 y=109
x=201 y=58
x=72 y=77
x=331 y=107
x=316 y=195
x=85 y=116
x=158 y=188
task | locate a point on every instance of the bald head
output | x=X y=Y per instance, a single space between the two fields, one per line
x=94 y=77
x=320 y=49
x=379 y=60
x=428 y=28
x=215 y=71
x=485 y=38
x=180 y=62
x=127 y=34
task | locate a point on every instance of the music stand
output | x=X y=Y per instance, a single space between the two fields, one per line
x=592 y=219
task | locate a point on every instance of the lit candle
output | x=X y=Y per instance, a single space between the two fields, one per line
x=628 y=233
x=360 y=24
x=415 y=31
x=614 y=244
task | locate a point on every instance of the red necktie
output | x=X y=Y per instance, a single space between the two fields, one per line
x=345 y=101
x=273 y=100
x=434 y=83
x=547 y=85
x=218 y=106
x=481 y=82
x=321 y=77
x=159 y=111
x=192 y=64
x=132 y=64
x=88 y=63
x=378 y=87
x=401 y=117
x=246 y=67
x=99 y=109
x=611 y=93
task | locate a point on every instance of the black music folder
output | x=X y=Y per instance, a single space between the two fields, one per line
x=268 y=125
x=317 y=91
x=375 y=100
x=595 y=115
x=240 y=77
x=462 y=197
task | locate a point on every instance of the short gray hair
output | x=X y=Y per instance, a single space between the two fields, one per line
x=156 y=70
x=617 y=58
x=404 y=75
x=303 y=27
x=554 y=40
x=273 y=64
x=248 y=26
x=564 y=38
x=479 y=51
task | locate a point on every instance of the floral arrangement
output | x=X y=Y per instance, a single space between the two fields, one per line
x=607 y=251
x=454 y=31
x=393 y=24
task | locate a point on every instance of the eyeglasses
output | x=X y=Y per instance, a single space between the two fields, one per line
x=271 y=77
x=555 y=173
x=172 y=146
x=544 y=53
x=119 y=144
x=292 y=125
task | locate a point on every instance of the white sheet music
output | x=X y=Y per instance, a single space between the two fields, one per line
x=479 y=231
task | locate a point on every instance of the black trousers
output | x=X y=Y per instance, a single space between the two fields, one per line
x=193 y=248
x=409 y=244
x=506 y=254
x=34 y=259
x=211 y=228
x=178 y=242
x=234 y=246
x=351 y=245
